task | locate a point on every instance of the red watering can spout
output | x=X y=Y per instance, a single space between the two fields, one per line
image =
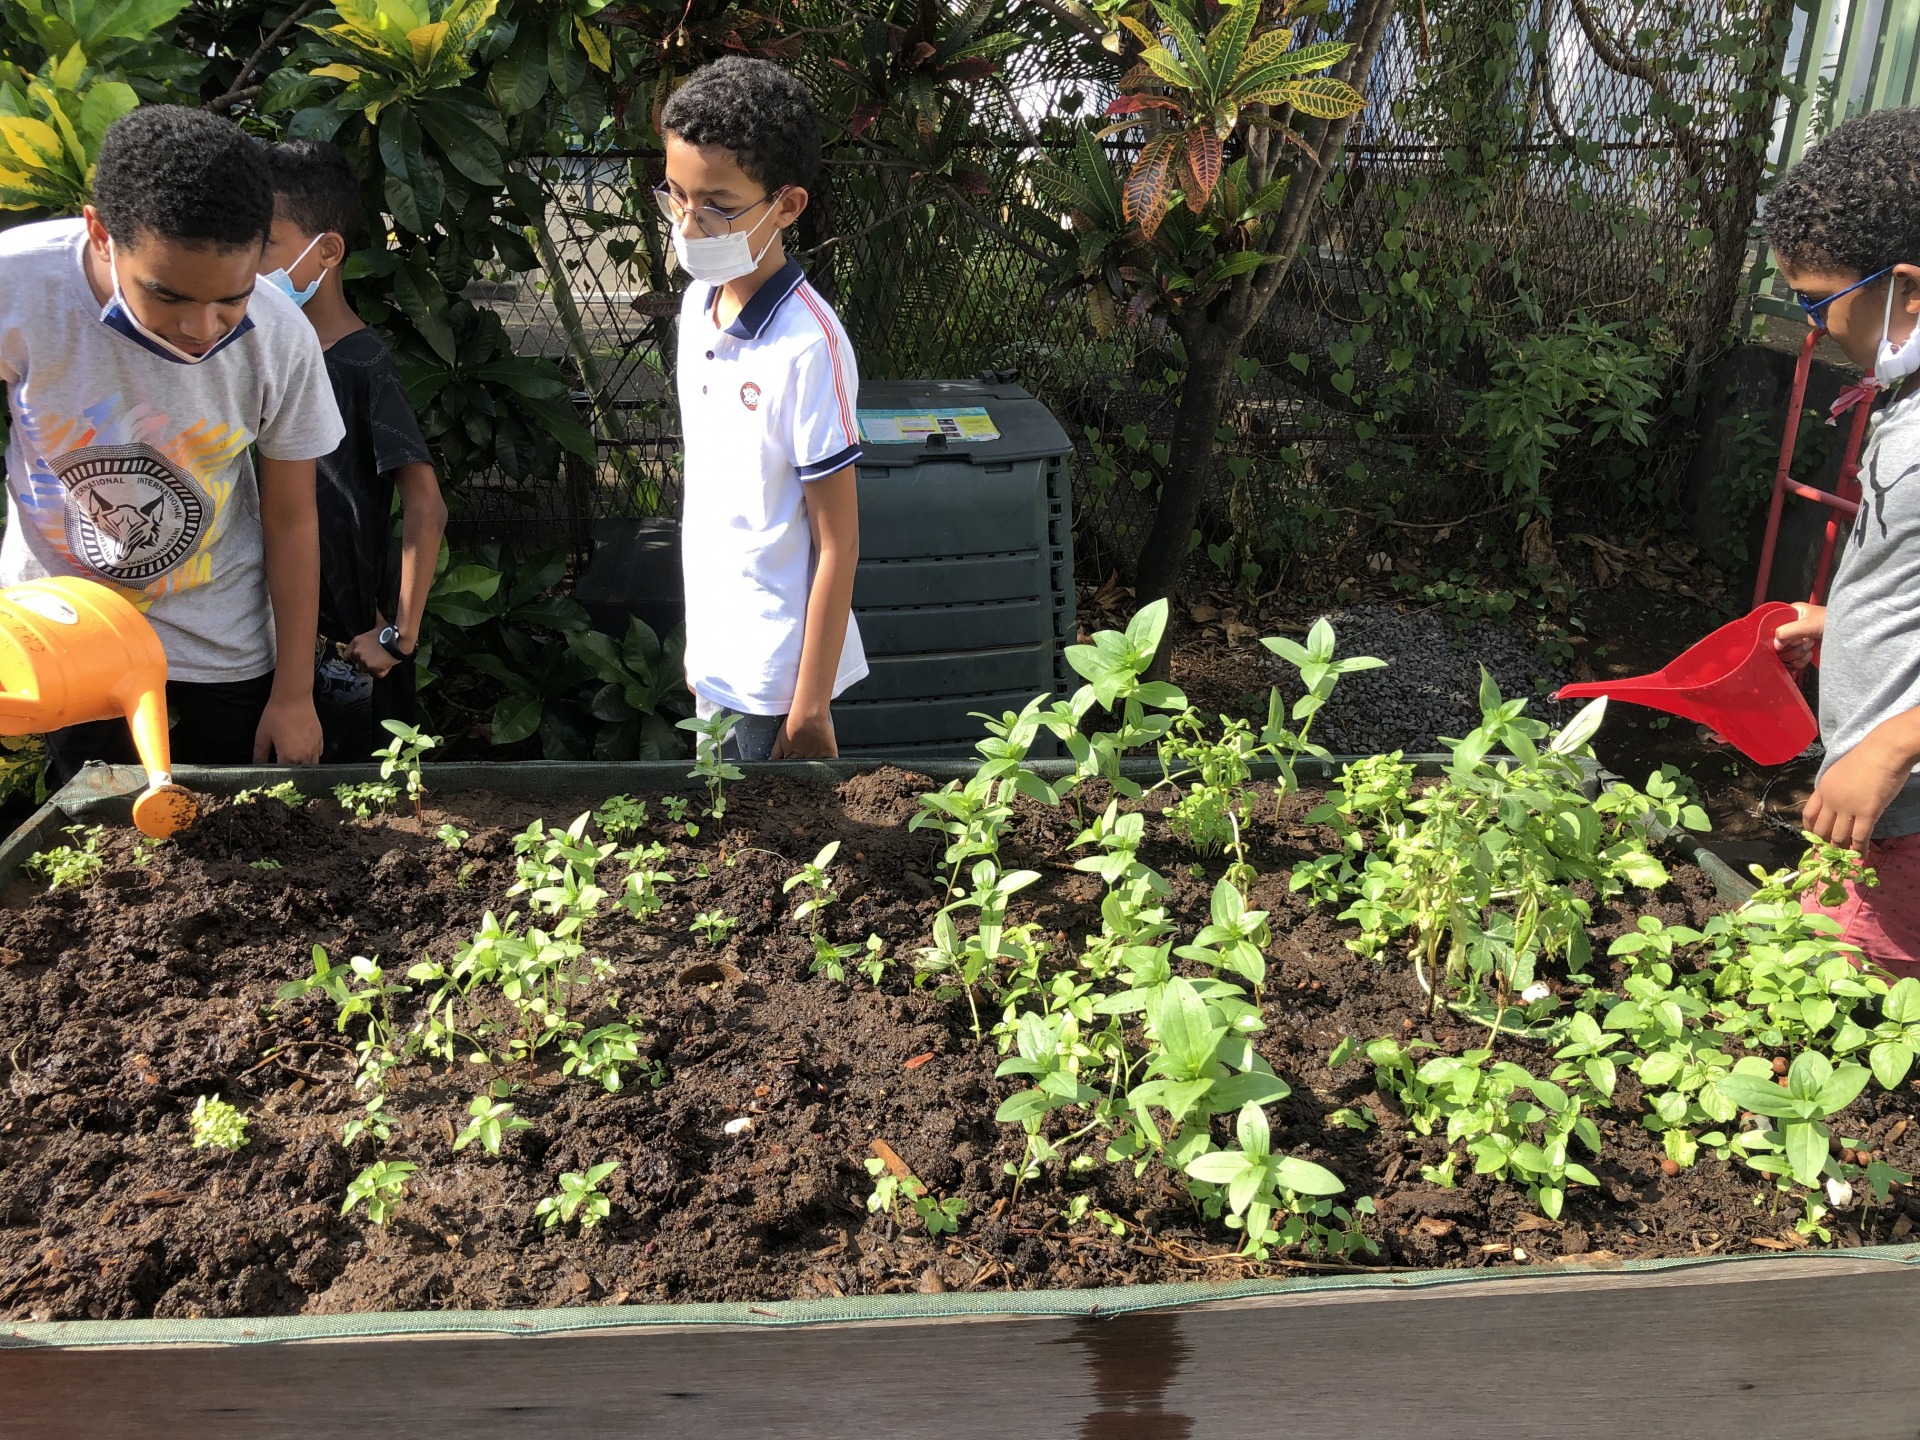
x=1734 y=682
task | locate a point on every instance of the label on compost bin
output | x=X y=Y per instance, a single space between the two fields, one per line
x=972 y=426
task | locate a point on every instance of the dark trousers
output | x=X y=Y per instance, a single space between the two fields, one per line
x=213 y=724
x=351 y=704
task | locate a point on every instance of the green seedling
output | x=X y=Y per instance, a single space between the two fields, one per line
x=713 y=926
x=640 y=895
x=709 y=764
x=831 y=960
x=451 y=836
x=620 y=817
x=813 y=875
x=580 y=1196
x=285 y=792
x=382 y=1185
x=144 y=851
x=218 y=1124
x=602 y=1055
x=676 y=807
x=373 y=1120
x=890 y=1192
x=264 y=865
x=71 y=866
x=1259 y=1183
x=1895 y=1041
x=1080 y=1208
x=401 y=756
x=1815 y=1091
x=375 y=797
x=1236 y=939
x=491 y=1120
x=874 y=967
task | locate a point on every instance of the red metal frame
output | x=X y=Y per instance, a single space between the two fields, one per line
x=1844 y=500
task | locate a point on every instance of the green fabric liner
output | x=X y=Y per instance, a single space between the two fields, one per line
x=783 y=1314
x=105 y=793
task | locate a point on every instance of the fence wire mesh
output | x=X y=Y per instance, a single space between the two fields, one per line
x=1595 y=182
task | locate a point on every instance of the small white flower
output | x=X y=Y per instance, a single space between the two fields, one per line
x=1839 y=1194
x=741 y=1126
x=1533 y=992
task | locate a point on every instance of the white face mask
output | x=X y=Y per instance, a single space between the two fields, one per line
x=117 y=315
x=1893 y=363
x=717 y=259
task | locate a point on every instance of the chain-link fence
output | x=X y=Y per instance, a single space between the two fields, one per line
x=1545 y=158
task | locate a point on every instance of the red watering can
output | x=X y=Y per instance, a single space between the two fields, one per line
x=1733 y=682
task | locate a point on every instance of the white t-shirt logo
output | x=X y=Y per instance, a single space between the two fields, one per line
x=750 y=395
x=130 y=513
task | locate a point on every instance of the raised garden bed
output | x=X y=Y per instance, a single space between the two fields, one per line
x=796 y=1138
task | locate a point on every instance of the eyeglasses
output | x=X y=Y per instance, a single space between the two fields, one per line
x=1814 y=307
x=710 y=220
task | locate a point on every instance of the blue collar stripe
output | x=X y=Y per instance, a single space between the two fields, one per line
x=117 y=321
x=758 y=313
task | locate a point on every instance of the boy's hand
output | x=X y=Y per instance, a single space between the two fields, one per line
x=806 y=739
x=1796 y=639
x=370 y=655
x=289 y=732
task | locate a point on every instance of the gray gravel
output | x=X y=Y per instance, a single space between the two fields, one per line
x=1431 y=684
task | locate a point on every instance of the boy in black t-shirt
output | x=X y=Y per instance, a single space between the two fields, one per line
x=370 y=609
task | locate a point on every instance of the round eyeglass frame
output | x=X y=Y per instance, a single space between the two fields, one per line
x=710 y=220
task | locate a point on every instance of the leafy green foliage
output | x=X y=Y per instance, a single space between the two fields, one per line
x=491 y=1120
x=381 y=1187
x=579 y=1198
x=713 y=926
x=285 y=792
x=895 y=1195
x=218 y=1124
x=364 y=801
x=70 y=866
x=582 y=693
x=709 y=762
x=402 y=755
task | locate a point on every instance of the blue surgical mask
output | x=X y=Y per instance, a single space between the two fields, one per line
x=118 y=316
x=282 y=279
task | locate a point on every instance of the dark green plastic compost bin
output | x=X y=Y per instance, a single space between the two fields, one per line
x=1812 y=1344
x=965 y=586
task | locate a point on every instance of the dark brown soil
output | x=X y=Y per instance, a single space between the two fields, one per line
x=123 y=1001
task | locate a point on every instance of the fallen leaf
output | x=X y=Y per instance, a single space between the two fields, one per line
x=1899 y=1129
x=895 y=1165
x=1203 y=614
x=1236 y=632
x=1535 y=1222
x=1433 y=1225
x=917 y=1061
x=1765 y=1243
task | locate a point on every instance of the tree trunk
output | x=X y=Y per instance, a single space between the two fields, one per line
x=1214 y=339
x=1203 y=398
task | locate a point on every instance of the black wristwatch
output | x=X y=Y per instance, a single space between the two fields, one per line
x=389 y=639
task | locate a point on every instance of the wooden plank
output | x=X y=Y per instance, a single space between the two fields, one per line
x=1790 y=1348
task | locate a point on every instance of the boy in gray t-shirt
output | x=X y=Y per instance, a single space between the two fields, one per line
x=1845 y=226
x=144 y=370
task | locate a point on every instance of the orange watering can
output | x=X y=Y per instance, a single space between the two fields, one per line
x=1733 y=682
x=72 y=651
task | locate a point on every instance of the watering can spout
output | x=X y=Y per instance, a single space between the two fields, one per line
x=72 y=651
x=1734 y=682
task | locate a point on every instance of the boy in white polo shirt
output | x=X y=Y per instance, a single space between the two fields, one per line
x=770 y=529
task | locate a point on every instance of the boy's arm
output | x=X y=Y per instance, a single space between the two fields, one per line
x=423 y=519
x=1853 y=795
x=290 y=529
x=833 y=514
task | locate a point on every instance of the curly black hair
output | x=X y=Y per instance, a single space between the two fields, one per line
x=752 y=108
x=315 y=187
x=184 y=175
x=1852 y=204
